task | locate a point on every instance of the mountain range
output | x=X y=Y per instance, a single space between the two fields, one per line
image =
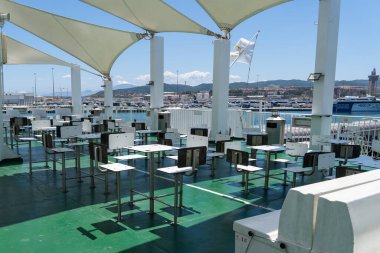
x=181 y=88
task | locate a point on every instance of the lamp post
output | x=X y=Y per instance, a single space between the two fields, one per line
x=52 y=75
x=177 y=89
x=35 y=88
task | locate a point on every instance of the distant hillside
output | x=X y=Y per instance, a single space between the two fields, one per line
x=352 y=83
x=181 y=88
x=124 y=86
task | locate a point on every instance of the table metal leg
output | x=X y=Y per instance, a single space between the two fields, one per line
x=175 y=199
x=17 y=149
x=246 y=181
x=118 y=197
x=54 y=162
x=106 y=183
x=30 y=157
x=64 y=189
x=181 y=191
x=213 y=166
x=79 y=174
x=92 y=176
x=6 y=135
x=11 y=137
x=151 y=182
x=131 y=186
x=294 y=179
x=267 y=171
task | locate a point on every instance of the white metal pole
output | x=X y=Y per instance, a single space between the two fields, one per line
x=326 y=55
x=157 y=76
x=108 y=98
x=76 y=98
x=220 y=89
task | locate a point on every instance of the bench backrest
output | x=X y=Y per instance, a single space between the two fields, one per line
x=257 y=140
x=237 y=157
x=191 y=156
x=298 y=213
x=196 y=141
x=348 y=221
x=117 y=140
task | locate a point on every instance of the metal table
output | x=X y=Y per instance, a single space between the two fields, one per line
x=29 y=140
x=268 y=149
x=151 y=149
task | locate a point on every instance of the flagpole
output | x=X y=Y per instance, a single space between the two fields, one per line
x=250 y=63
x=254 y=37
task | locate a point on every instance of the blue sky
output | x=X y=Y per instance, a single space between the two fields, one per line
x=285 y=48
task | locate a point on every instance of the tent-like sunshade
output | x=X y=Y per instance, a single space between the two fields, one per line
x=227 y=14
x=20 y=53
x=96 y=46
x=151 y=15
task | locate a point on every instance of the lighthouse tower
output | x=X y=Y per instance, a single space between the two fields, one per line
x=373 y=78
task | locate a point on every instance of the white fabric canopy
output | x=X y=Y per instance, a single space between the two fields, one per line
x=227 y=14
x=151 y=15
x=19 y=53
x=96 y=46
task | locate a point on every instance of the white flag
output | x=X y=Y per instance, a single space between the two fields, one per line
x=243 y=51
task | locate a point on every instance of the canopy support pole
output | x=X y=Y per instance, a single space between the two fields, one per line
x=108 y=98
x=157 y=79
x=76 y=98
x=220 y=88
x=326 y=55
x=5 y=152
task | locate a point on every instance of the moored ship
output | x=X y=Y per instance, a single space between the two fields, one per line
x=350 y=104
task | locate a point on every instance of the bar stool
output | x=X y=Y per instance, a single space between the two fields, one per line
x=77 y=146
x=241 y=161
x=47 y=140
x=294 y=149
x=344 y=152
x=99 y=153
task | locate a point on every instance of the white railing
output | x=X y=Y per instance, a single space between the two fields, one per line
x=357 y=129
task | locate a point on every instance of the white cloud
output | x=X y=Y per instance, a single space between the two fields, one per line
x=120 y=80
x=191 y=78
x=144 y=79
x=235 y=78
x=66 y=76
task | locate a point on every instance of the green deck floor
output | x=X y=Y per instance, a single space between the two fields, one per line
x=35 y=216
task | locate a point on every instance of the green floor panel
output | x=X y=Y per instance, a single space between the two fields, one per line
x=38 y=217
